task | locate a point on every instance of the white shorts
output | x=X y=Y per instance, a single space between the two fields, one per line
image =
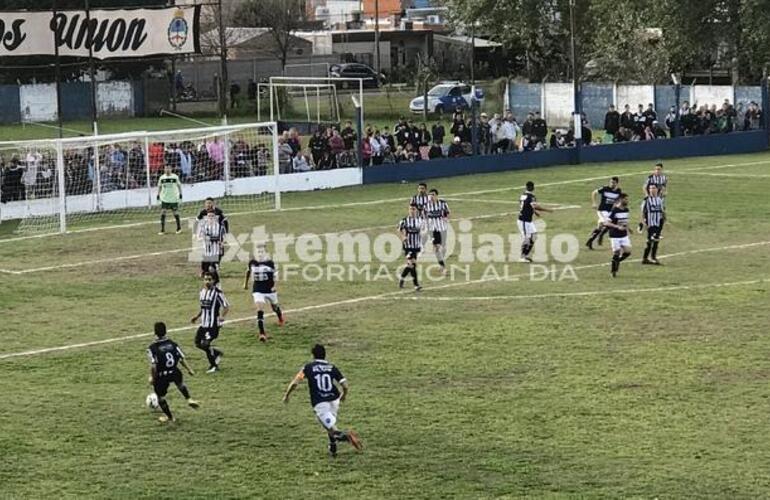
x=326 y=413
x=618 y=243
x=603 y=216
x=261 y=298
x=526 y=229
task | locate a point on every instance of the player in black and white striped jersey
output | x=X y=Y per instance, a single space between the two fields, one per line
x=656 y=178
x=410 y=229
x=436 y=215
x=653 y=217
x=420 y=199
x=213 y=309
x=213 y=233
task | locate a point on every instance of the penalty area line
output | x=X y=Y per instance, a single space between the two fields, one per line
x=346 y=302
x=592 y=293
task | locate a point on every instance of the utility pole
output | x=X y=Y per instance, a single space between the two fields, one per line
x=577 y=116
x=92 y=71
x=377 y=35
x=223 y=79
x=58 y=81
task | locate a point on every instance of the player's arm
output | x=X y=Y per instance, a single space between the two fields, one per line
x=225 y=307
x=299 y=377
x=195 y=318
x=345 y=389
x=183 y=362
x=179 y=187
x=594 y=194
x=153 y=373
x=540 y=208
x=246 y=280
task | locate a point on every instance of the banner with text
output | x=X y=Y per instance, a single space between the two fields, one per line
x=110 y=33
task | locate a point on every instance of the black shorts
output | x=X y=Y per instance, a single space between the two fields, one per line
x=163 y=381
x=210 y=265
x=411 y=253
x=206 y=335
x=653 y=232
x=438 y=238
x=169 y=206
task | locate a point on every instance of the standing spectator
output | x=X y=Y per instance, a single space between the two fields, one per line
x=485 y=135
x=639 y=120
x=401 y=131
x=510 y=131
x=539 y=128
x=671 y=119
x=336 y=144
x=157 y=158
x=627 y=118
x=423 y=136
x=349 y=136
x=235 y=89
x=612 y=121
x=438 y=133
x=650 y=115
x=285 y=155
x=179 y=83
x=376 y=145
x=318 y=146
x=252 y=90
x=216 y=151
x=294 y=140
x=526 y=127
x=366 y=150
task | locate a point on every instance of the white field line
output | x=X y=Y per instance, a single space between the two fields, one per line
x=382 y=201
x=583 y=294
x=190 y=249
x=554 y=206
x=348 y=301
x=738 y=176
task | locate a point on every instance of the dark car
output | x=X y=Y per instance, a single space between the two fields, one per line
x=355 y=70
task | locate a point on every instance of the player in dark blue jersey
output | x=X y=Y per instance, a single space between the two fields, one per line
x=608 y=195
x=528 y=209
x=165 y=356
x=262 y=274
x=324 y=381
x=620 y=239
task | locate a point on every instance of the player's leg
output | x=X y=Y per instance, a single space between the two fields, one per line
x=596 y=232
x=407 y=271
x=648 y=247
x=276 y=307
x=259 y=303
x=438 y=248
x=178 y=221
x=655 y=243
x=527 y=245
x=161 y=389
x=203 y=342
x=179 y=381
x=616 y=252
x=162 y=221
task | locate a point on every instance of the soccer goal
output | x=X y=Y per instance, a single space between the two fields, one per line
x=105 y=180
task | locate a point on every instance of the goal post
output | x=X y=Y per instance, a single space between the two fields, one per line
x=308 y=82
x=105 y=180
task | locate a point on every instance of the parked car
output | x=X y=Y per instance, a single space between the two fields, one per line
x=355 y=70
x=446 y=97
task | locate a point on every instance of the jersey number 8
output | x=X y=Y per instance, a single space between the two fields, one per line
x=170 y=361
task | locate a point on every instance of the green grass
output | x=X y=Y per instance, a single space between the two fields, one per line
x=650 y=394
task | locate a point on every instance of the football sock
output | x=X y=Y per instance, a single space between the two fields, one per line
x=332 y=445
x=647 y=249
x=162 y=222
x=594 y=235
x=414 y=276
x=164 y=406
x=655 y=249
x=211 y=357
x=602 y=233
x=624 y=256
x=277 y=311
x=340 y=436
x=183 y=389
x=178 y=222
x=526 y=247
x=261 y=322
x=615 y=262
x=441 y=263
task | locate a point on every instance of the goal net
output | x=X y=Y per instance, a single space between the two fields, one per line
x=86 y=182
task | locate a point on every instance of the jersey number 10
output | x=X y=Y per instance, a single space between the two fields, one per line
x=324 y=382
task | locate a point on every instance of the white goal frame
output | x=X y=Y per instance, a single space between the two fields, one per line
x=299 y=81
x=64 y=205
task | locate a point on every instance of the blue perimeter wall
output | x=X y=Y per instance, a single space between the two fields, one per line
x=682 y=147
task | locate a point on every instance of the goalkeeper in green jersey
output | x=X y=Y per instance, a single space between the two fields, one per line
x=169 y=195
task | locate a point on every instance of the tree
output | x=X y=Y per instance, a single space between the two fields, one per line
x=280 y=17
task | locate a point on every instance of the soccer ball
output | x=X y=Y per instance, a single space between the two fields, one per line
x=152 y=401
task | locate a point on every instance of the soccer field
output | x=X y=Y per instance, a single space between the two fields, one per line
x=488 y=384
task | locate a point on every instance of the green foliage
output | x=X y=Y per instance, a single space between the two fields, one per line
x=617 y=39
x=281 y=17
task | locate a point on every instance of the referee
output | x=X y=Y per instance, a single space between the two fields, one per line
x=653 y=217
